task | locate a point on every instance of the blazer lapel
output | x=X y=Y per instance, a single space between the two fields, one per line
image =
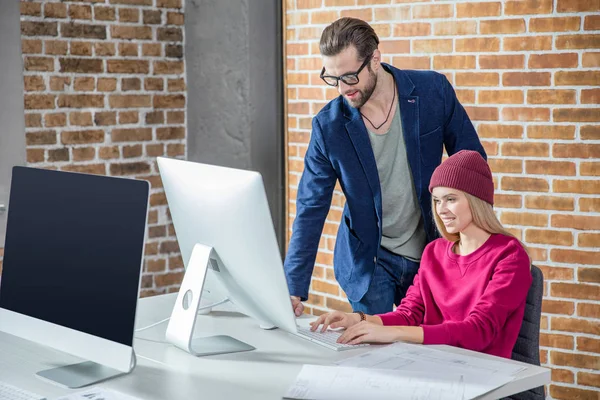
x=360 y=139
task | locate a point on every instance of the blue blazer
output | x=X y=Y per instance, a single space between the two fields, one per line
x=340 y=149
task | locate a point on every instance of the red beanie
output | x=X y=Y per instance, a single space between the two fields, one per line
x=466 y=171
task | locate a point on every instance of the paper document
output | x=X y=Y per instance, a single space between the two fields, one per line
x=480 y=375
x=317 y=382
x=97 y=393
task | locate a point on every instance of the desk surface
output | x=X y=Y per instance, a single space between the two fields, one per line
x=165 y=372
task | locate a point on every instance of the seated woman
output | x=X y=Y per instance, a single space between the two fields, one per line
x=472 y=284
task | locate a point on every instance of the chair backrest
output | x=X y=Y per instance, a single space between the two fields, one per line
x=527 y=347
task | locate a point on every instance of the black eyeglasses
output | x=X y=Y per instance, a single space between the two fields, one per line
x=349 y=79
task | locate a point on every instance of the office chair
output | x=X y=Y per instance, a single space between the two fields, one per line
x=527 y=347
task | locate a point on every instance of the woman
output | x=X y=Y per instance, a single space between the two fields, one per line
x=472 y=283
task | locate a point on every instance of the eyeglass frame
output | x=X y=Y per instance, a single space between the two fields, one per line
x=341 y=77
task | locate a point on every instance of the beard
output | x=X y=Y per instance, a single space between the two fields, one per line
x=363 y=95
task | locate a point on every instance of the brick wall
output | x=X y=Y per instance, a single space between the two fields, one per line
x=528 y=73
x=105 y=93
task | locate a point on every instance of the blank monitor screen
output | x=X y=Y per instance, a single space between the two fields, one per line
x=73 y=251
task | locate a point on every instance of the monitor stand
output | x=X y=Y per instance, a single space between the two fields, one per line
x=183 y=317
x=86 y=373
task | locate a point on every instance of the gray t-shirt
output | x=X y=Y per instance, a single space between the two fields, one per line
x=403 y=231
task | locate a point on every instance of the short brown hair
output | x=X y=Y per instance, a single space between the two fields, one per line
x=345 y=32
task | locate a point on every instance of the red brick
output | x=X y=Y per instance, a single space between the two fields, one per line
x=175 y=18
x=502 y=61
x=464 y=27
x=131 y=135
x=130 y=32
x=366 y=14
x=84 y=153
x=31 y=9
x=170 y=133
x=527 y=43
x=526 y=79
x=55 y=10
x=131 y=168
x=152 y=49
x=35 y=28
x=81 y=48
x=31 y=46
x=482 y=113
x=577 y=42
x=80 y=101
x=528 y=149
x=577 y=6
x=454 y=62
x=590 y=132
x=588 y=344
x=129 y=14
x=524 y=219
x=76 y=30
x=128 y=117
x=39 y=101
x=539 y=167
x=169 y=101
x=55 y=119
x=557 y=341
x=80 y=118
x=562 y=150
x=81 y=65
x=168 y=67
x=562 y=375
x=169 y=3
x=575 y=325
x=104 y=13
x=480 y=44
x=128 y=66
x=504 y=165
x=169 y=34
x=38 y=64
x=56 y=47
x=526 y=114
x=591 y=23
x=573 y=78
x=548 y=96
x=472 y=9
x=588 y=240
x=556 y=273
x=105 y=118
x=33 y=120
x=477 y=79
x=543 y=236
x=588 y=379
x=80 y=11
x=98 y=169
x=34 y=83
x=565 y=60
x=563 y=24
x=559 y=307
x=57 y=155
x=575 y=222
x=35 y=155
x=569 y=393
x=578 y=257
x=590 y=96
x=429 y=11
x=431 y=46
x=129 y=101
x=519 y=7
x=589 y=169
x=589 y=310
x=507 y=200
x=499 y=26
x=577 y=186
x=411 y=29
x=111 y=152
x=524 y=184
x=588 y=274
x=82 y=137
x=551 y=131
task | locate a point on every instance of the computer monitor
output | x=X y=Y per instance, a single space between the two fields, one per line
x=226 y=209
x=72 y=268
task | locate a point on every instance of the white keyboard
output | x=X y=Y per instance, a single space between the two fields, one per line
x=327 y=339
x=10 y=392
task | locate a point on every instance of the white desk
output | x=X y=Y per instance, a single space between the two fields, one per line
x=165 y=372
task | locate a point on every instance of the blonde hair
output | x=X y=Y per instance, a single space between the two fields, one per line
x=483 y=217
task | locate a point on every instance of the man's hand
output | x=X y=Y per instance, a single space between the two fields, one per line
x=297 y=306
x=335 y=319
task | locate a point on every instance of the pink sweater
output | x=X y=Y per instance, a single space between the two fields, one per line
x=475 y=301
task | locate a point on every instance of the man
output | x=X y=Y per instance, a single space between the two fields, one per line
x=382 y=139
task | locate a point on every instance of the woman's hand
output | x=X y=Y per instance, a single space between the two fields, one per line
x=368 y=332
x=336 y=319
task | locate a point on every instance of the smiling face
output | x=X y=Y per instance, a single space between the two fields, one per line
x=452 y=208
x=347 y=62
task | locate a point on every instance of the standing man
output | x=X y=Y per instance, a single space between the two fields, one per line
x=381 y=138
